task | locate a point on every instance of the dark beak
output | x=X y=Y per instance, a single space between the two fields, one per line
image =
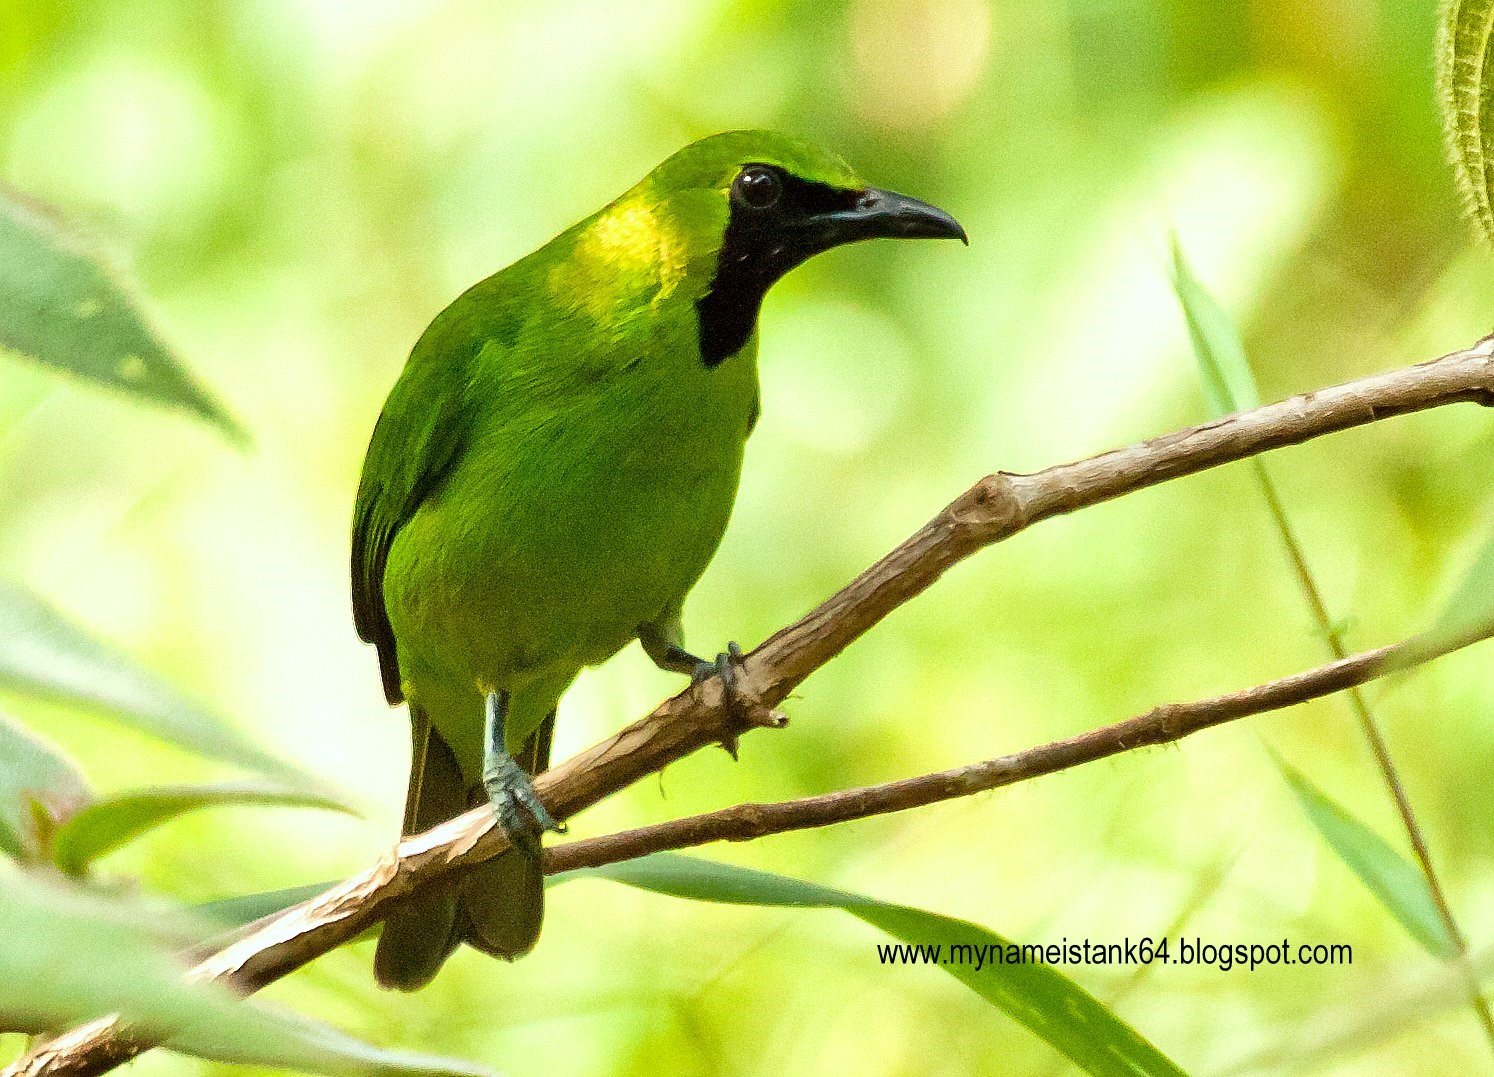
x=887 y=214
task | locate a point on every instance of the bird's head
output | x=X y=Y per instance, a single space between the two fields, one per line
x=745 y=207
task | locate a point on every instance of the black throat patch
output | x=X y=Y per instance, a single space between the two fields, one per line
x=759 y=247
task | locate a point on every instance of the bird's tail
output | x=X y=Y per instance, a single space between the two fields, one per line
x=497 y=908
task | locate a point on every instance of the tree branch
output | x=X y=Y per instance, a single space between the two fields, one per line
x=997 y=507
x=1160 y=725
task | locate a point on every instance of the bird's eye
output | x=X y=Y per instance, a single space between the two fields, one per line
x=757 y=187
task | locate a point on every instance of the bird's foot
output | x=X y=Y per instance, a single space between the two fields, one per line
x=742 y=704
x=521 y=815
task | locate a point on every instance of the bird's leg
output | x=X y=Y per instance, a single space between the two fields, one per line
x=521 y=816
x=672 y=658
x=661 y=644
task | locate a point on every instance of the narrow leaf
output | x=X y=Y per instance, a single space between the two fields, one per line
x=1229 y=383
x=247 y=908
x=353 y=1056
x=1463 y=69
x=1393 y=879
x=34 y=774
x=1471 y=608
x=61 y=304
x=1038 y=996
x=67 y=956
x=111 y=821
x=44 y=654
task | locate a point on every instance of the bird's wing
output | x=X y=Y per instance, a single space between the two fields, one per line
x=416 y=441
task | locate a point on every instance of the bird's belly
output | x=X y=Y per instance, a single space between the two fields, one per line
x=520 y=573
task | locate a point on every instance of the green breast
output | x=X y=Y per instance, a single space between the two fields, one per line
x=590 y=495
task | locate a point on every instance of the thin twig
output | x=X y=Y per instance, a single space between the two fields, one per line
x=997 y=507
x=1160 y=725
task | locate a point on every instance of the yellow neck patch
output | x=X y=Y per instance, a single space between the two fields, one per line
x=630 y=252
x=628 y=234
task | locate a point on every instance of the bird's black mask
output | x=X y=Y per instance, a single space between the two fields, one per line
x=778 y=221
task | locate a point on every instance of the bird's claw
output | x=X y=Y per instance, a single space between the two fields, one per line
x=725 y=665
x=742 y=705
x=521 y=815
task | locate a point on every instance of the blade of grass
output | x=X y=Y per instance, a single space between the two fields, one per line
x=112 y=821
x=1229 y=383
x=1389 y=875
x=247 y=908
x=1049 y=1004
x=1471 y=606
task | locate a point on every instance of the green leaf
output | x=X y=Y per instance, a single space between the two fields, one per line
x=111 y=821
x=247 y=908
x=1229 y=383
x=1044 y=1000
x=1471 y=608
x=1463 y=64
x=1393 y=879
x=350 y=1055
x=36 y=776
x=62 y=304
x=44 y=654
x=67 y=956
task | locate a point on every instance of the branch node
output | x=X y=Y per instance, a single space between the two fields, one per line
x=749 y=712
x=766 y=718
x=742 y=706
x=992 y=507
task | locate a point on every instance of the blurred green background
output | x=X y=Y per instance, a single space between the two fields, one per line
x=304 y=185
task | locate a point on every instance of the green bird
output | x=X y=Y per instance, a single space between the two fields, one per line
x=551 y=475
